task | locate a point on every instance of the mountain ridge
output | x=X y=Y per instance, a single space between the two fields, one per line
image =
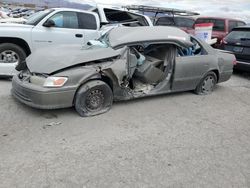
x=51 y=3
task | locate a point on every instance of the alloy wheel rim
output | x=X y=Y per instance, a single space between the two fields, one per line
x=208 y=84
x=9 y=56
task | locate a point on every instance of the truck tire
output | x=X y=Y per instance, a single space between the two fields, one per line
x=11 y=53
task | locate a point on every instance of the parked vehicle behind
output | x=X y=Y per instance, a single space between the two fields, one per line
x=42 y=29
x=57 y=26
x=221 y=27
x=114 y=15
x=184 y=23
x=238 y=42
x=167 y=16
x=124 y=64
x=5 y=18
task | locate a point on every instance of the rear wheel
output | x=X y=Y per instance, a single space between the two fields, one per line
x=207 y=84
x=93 y=98
x=11 y=53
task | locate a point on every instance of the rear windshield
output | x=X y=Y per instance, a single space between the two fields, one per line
x=118 y=16
x=219 y=25
x=165 y=21
x=184 y=22
x=239 y=35
x=176 y=21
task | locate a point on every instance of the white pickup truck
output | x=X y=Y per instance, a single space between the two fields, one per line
x=45 y=28
x=53 y=27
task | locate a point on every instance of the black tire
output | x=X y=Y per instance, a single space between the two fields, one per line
x=93 y=98
x=207 y=84
x=8 y=48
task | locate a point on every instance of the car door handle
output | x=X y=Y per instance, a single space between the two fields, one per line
x=79 y=35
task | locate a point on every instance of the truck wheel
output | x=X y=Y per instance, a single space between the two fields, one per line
x=93 y=98
x=11 y=53
x=207 y=84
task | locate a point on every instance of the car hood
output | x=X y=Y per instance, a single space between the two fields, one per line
x=13 y=25
x=52 y=59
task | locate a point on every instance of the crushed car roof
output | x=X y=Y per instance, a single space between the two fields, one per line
x=130 y=35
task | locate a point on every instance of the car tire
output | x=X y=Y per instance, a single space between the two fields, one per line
x=12 y=53
x=207 y=84
x=93 y=98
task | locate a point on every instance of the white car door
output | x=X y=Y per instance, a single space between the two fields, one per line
x=67 y=29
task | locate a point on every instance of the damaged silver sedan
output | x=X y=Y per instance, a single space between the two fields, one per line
x=124 y=64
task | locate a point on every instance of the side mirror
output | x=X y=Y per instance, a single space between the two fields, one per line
x=49 y=23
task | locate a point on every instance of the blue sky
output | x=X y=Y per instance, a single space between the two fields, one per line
x=229 y=8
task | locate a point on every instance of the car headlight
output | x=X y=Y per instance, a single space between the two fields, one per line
x=55 y=81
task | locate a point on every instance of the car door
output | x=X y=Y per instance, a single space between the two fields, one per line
x=190 y=68
x=68 y=29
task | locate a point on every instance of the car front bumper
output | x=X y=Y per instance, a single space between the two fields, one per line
x=40 y=97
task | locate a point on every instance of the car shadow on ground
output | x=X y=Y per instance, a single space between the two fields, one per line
x=156 y=97
x=54 y=113
x=242 y=74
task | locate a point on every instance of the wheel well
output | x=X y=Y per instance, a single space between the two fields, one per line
x=108 y=81
x=105 y=79
x=20 y=42
x=217 y=74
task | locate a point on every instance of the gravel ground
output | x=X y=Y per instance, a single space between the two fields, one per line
x=176 y=140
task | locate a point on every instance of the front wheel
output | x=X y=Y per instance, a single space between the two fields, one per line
x=207 y=84
x=11 y=53
x=93 y=98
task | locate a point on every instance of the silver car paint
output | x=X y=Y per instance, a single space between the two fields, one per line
x=185 y=70
x=61 y=57
x=130 y=35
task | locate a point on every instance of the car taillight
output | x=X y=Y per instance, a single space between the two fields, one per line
x=234 y=62
x=223 y=41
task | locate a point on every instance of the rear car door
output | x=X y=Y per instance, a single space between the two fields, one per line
x=190 y=67
x=68 y=29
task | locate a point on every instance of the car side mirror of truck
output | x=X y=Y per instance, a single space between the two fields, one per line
x=49 y=23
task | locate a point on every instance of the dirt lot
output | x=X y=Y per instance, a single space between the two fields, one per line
x=177 y=140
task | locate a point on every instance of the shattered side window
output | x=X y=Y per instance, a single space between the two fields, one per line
x=119 y=16
x=194 y=50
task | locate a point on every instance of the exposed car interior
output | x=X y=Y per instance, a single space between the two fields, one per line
x=194 y=50
x=149 y=64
